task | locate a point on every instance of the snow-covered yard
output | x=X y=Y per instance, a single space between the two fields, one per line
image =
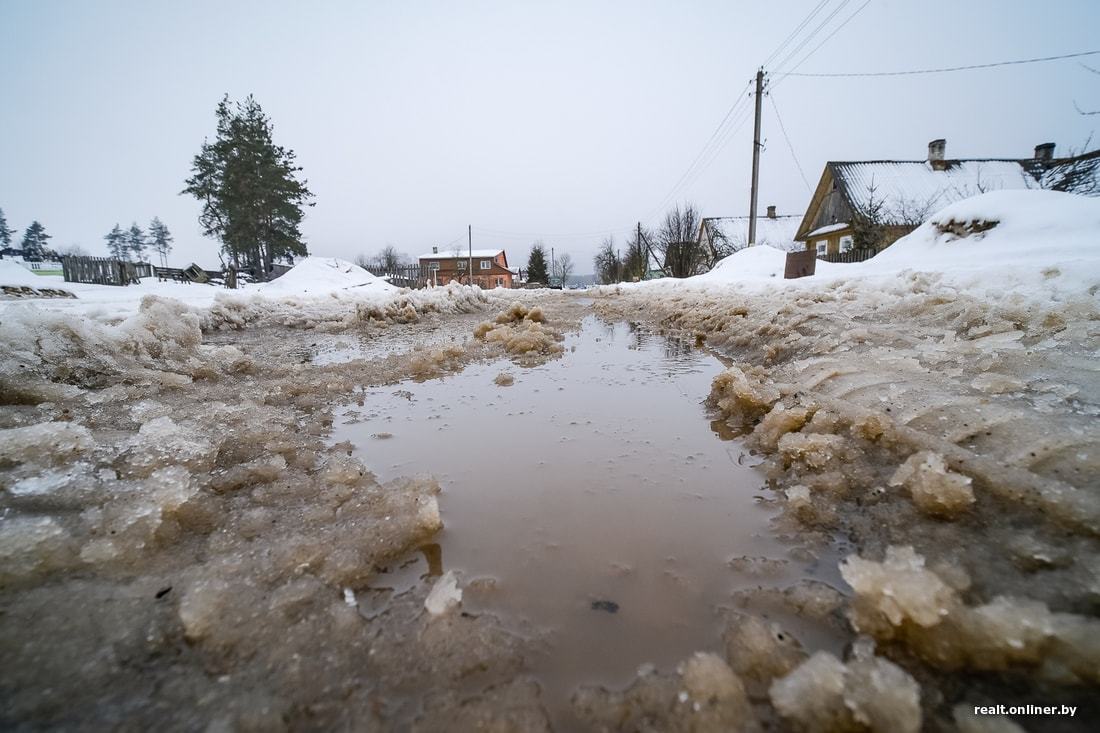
x=183 y=542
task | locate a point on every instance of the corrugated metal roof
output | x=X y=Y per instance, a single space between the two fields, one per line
x=778 y=232
x=907 y=187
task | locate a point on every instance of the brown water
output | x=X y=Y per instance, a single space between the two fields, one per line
x=590 y=503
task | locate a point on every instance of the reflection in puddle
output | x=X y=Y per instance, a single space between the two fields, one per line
x=592 y=499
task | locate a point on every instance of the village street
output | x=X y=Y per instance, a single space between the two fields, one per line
x=535 y=508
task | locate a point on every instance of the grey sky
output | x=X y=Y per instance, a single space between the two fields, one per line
x=412 y=119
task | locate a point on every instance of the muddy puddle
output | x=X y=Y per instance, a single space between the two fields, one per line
x=590 y=504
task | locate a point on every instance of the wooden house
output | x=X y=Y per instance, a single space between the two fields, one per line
x=725 y=235
x=901 y=194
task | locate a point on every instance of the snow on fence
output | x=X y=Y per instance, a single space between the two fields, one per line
x=103 y=270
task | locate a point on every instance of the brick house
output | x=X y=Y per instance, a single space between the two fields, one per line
x=906 y=192
x=490 y=267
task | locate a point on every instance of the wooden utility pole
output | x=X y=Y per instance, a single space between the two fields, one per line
x=470 y=261
x=755 y=157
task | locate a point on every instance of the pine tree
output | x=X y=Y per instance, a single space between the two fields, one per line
x=34 y=243
x=5 y=233
x=160 y=239
x=116 y=243
x=251 y=197
x=135 y=242
x=536 y=264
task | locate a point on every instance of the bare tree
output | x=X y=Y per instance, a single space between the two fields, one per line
x=913 y=211
x=363 y=261
x=563 y=268
x=389 y=259
x=677 y=242
x=72 y=250
x=608 y=263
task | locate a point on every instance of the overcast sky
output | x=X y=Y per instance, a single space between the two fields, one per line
x=527 y=120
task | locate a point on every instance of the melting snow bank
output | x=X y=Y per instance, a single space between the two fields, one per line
x=937 y=408
x=162 y=342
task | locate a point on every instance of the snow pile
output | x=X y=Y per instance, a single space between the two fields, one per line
x=1030 y=235
x=997 y=229
x=12 y=273
x=758 y=263
x=322 y=276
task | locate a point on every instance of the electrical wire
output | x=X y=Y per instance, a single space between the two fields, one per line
x=802 y=44
x=825 y=40
x=947 y=69
x=790 y=147
x=795 y=32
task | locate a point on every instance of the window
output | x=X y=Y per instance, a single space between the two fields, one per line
x=822 y=247
x=486 y=264
x=462 y=264
x=847 y=243
x=433 y=265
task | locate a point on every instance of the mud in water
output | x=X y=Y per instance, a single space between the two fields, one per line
x=587 y=501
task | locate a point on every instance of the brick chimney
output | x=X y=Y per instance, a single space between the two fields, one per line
x=435 y=250
x=936 y=150
x=1044 y=152
x=771 y=212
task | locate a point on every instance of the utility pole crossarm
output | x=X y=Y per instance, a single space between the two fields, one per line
x=755 y=157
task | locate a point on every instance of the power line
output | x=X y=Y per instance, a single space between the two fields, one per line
x=811 y=36
x=795 y=32
x=947 y=69
x=828 y=37
x=790 y=147
x=713 y=145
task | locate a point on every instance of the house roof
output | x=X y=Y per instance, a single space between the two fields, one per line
x=778 y=232
x=458 y=255
x=913 y=186
x=1077 y=174
x=829 y=228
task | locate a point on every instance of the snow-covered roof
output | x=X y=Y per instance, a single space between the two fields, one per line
x=914 y=189
x=777 y=232
x=451 y=254
x=828 y=228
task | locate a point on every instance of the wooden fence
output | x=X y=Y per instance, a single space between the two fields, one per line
x=852 y=255
x=415 y=276
x=103 y=270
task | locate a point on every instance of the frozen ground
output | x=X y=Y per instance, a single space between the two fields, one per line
x=185 y=545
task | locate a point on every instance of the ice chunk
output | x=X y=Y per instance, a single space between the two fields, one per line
x=709 y=681
x=46 y=443
x=900 y=587
x=743 y=394
x=824 y=694
x=161 y=442
x=31 y=545
x=444 y=595
x=935 y=489
x=760 y=650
